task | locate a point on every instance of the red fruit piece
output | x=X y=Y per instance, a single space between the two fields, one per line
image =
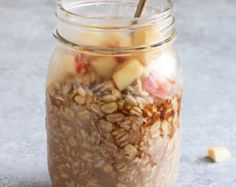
x=81 y=64
x=120 y=59
x=157 y=85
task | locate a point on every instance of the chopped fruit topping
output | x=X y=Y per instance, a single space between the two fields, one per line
x=165 y=64
x=146 y=57
x=61 y=65
x=126 y=73
x=114 y=40
x=69 y=63
x=218 y=154
x=120 y=59
x=146 y=36
x=157 y=85
x=118 y=40
x=104 y=66
x=92 y=39
x=81 y=64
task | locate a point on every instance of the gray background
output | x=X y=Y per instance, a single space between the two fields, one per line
x=207 y=47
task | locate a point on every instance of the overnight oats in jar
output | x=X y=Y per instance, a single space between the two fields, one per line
x=113 y=96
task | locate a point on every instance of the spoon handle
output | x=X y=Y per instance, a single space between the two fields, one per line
x=140 y=8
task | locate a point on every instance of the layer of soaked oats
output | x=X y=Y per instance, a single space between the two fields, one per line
x=99 y=136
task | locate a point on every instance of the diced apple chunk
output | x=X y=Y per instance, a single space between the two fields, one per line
x=165 y=63
x=127 y=73
x=146 y=57
x=60 y=66
x=104 y=66
x=146 y=36
x=218 y=154
x=92 y=39
x=69 y=63
x=126 y=41
x=115 y=40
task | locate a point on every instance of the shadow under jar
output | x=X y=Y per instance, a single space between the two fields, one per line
x=113 y=96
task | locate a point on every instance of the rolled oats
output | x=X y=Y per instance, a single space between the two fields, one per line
x=97 y=131
x=72 y=141
x=137 y=121
x=89 y=101
x=117 y=117
x=130 y=150
x=84 y=134
x=116 y=93
x=155 y=129
x=168 y=113
x=107 y=85
x=81 y=91
x=53 y=88
x=121 y=167
x=131 y=100
x=109 y=108
x=96 y=108
x=165 y=128
x=92 y=183
x=121 y=104
x=121 y=137
x=126 y=124
x=110 y=146
x=95 y=138
x=136 y=111
x=64 y=175
x=84 y=117
x=80 y=100
x=59 y=98
x=141 y=101
x=107 y=126
x=86 y=79
x=109 y=98
x=121 y=185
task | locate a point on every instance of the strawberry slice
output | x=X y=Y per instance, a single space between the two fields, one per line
x=158 y=85
x=81 y=64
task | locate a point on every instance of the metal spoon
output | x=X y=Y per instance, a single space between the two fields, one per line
x=140 y=8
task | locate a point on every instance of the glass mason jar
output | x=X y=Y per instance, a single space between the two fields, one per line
x=113 y=96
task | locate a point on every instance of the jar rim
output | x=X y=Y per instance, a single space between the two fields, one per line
x=116 y=21
x=112 y=51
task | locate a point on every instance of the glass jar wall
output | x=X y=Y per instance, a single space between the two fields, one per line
x=113 y=97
